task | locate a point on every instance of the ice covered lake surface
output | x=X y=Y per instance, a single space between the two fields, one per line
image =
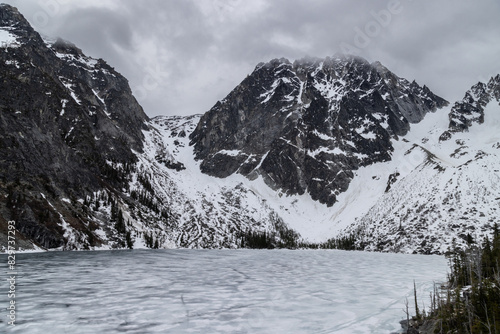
x=217 y=291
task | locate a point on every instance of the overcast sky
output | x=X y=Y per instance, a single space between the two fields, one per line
x=182 y=56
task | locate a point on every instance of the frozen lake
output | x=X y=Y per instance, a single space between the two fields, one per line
x=216 y=291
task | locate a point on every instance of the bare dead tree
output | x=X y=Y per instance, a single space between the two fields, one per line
x=407 y=312
x=487 y=324
x=470 y=313
x=496 y=276
x=476 y=264
x=432 y=298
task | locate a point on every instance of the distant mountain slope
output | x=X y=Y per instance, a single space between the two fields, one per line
x=451 y=192
x=306 y=126
x=202 y=212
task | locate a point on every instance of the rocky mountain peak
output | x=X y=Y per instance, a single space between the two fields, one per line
x=65 y=47
x=11 y=17
x=15 y=24
x=306 y=126
x=470 y=109
x=494 y=87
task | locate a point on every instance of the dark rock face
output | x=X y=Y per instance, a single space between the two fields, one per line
x=470 y=109
x=306 y=126
x=64 y=120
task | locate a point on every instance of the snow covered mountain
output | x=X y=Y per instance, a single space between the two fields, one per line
x=432 y=194
x=69 y=127
x=310 y=150
x=305 y=127
x=82 y=166
x=446 y=176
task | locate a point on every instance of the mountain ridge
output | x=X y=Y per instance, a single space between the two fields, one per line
x=452 y=191
x=61 y=122
x=299 y=152
x=343 y=110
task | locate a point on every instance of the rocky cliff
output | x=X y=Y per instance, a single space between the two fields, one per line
x=470 y=109
x=68 y=127
x=305 y=127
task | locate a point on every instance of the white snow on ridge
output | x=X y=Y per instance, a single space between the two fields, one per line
x=266 y=96
x=7 y=39
x=446 y=190
x=67 y=83
x=333 y=91
x=103 y=103
x=63 y=102
x=231 y=153
x=322 y=135
x=425 y=173
x=336 y=150
x=86 y=63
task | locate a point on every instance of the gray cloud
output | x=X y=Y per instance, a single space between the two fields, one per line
x=99 y=32
x=181 y=56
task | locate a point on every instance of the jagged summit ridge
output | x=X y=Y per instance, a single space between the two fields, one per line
x=470 y=109
x=12 y=19
x=305 y=126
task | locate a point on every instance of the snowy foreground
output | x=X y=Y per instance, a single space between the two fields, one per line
x=218 y=291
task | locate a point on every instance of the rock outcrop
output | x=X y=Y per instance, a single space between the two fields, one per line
x=306 y=126
x=68 y=126
x=470 y=109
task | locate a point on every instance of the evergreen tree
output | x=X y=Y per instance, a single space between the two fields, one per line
x=128 y=239
x=473 y=302
x=120 y=223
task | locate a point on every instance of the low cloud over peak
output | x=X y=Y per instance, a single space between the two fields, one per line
x=182 y=56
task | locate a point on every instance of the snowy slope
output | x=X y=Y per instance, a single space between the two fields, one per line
x=201 y=211
x=207 y=196
x=430 y=195
x=447 y=190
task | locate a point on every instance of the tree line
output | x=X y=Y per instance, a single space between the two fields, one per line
x=472 y=302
